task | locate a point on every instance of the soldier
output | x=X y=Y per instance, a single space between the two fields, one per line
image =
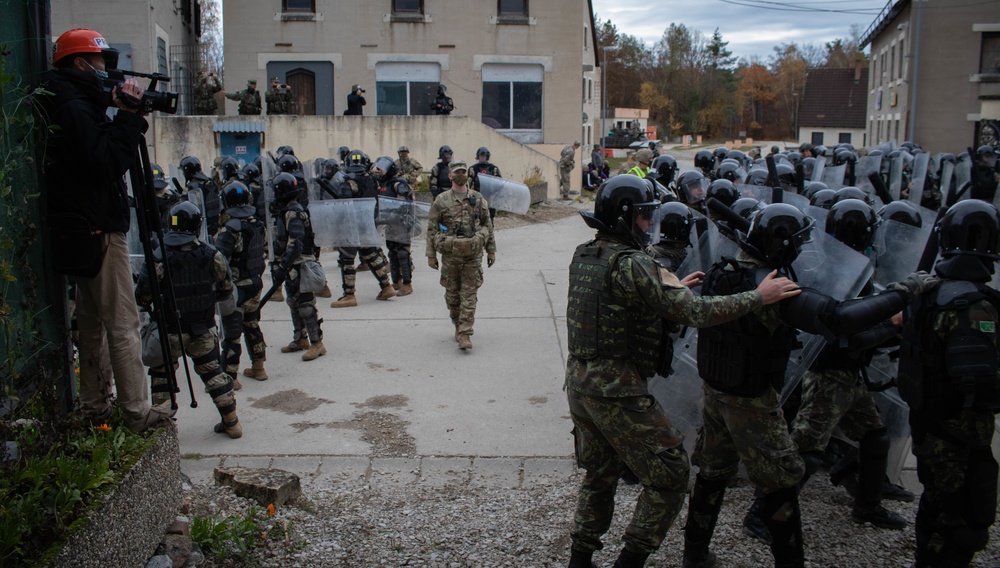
x=567 y=161
x=483 y=166
x=985 y=174
x=359 y=182
x=742 y=364
x=409 y=168
x=948 y=374
x=400 y=259
x=618 y=299
x=249 y=99
x=279 y=98
x=194 y=178
x=166 y=197
x=204 y=93
x=242 y=241
x=459 y=227
x=644 y=158
x=676 y=221
x=628 y=164
x=439 y=179
x=442 y=102
x=201 y=279
x=293 y=246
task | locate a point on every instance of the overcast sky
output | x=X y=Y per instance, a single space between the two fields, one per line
x=752 y=27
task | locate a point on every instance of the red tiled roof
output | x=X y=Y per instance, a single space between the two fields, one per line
x=833 y=98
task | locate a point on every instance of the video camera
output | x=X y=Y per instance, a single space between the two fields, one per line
x=163 y=101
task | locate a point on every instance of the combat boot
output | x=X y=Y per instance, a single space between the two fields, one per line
x=345 y=301
x=386 y=293
x=236 y=384
x=753 y=525
x=629 y=559
x=297 y=345
x=456 y=333
x=325 y=292
x=278 y=296
x=464 y=342
x=878 y=516
x=397 y=285
x=256 y=371
x=404 y=290
x=703 y=514
x=362 y=266
x=315 y=350
x=581 y=559
x=230 y=425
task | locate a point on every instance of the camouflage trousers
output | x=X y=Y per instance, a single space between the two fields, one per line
x=302 y=305
x=461 y=278
x=244 y=322
x=400 y=262
x=956 y=466
x=203 y=349
x=564 y=185
x=751 y=430
x=614 y=433
x=372 y=256
x=831 y=398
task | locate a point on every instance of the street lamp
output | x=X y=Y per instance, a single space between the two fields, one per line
x=604 y=96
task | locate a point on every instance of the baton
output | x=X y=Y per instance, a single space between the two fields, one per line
x=772 y=180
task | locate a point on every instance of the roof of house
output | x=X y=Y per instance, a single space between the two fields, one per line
x=885 y=17
x=833 y=98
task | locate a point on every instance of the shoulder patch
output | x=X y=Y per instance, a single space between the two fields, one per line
x=668 y=278
x=987 y=327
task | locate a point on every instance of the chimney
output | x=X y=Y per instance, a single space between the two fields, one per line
x=857 y=66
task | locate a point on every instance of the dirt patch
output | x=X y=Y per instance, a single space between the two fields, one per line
x=384 y=401
x=544 y=212
x=301 y=427
x=538 y=399
x=292 y=401
x=374 y=366
x=385 y=433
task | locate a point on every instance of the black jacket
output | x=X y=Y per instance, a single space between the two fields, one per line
x=354 y=104
x=87 y=154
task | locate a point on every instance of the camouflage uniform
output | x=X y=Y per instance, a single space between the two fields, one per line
x=625 y=168
x=249 y=99
x=245 y=321
x=459 y=227
x=617 y=424
x=279 y=101
x=296 y=248
x=374 y=257
x=567 y=161
x=204 y=94
x=411 y=170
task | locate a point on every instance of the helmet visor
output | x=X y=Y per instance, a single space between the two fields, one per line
x=646 y=220
x=694 y=190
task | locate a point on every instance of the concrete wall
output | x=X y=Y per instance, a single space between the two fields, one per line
x=320 y=137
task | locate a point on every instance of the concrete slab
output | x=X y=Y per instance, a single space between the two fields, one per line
x=497 y=472
x=343 y=467
x=396 y=471
x=200 y=470
x=306 y=467
x=441 y=471
x=548 y=471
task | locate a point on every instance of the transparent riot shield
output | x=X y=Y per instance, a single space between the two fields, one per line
x=195 y=196
x=947 y=183
x=866 y=166
x=833 y=176
x=267 y=172
x=680 y=394
x=765 y=194
x=886 y=147
x=963 y=175
x=898 y=250
x=896 y=175
x=818 y=167
x=894 y=412
x=921 y=163
x=504 y=194
x=135 y=252
x=710 y=247
x=402 y=219
x=819 y=215
x=345 y=223
x=316 y=192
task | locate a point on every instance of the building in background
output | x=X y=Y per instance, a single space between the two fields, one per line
x=833 y=107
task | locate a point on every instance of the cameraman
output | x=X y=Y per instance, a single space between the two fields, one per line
x=355 y=101
x=278 y=98
x=88 y=216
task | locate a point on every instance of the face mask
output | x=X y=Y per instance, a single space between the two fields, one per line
x=102 y=75
x=459 y=179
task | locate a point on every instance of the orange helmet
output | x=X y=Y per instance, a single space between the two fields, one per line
x=80 y=40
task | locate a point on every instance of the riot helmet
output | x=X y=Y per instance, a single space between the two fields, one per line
x=387 y=167
x=808 y=167
x=286 y=188
x=986 y=155
x=330 y=168
x=666 y=168
x=794 y=158
x=289 y=164
x=970 y=227
x=851 y=192
x=676 y=220
x=343 y=152
x=747 y=207
x=757 y=176
x=190 y=166
x=724 y=191
x=159 y=178
x=357 y=162
x=691 y=187
x=235 y=194
x=853 y=223
x=845 y=156
x=720 y=154
x=704 y=160
x=819 y=151
x=230 y=168
x=185 y=224
x=814 y=186
x=732 y=171
x=776 y=234
x=445 y=154
x=481 y=152
x=823 y=198
x=251 y=173
x=739 y=156
x=626 y=206
x=902 y=212
x=786 y=177
x=285 y=151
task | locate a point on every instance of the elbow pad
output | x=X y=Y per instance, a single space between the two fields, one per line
x=860 y=314
x=872 y=337
x=810 y=311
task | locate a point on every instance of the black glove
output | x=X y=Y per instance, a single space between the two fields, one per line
x=278 y=272
x=915 y=284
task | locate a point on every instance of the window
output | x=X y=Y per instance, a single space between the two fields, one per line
x=816 y=139
x=407 y=6
x=161 y=55
x=989 y=54
x=881 y=77
x=512 y=97
x=405 y=88
x=299 y=5
x=512 y=7
x=902 y=57
x=844 y=138
x=892 y=64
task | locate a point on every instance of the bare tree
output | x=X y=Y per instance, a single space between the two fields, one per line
x=211 y=36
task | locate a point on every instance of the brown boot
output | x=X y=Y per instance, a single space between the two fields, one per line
x=405 y=290
x=298 y=345
x=236 y=384
x=315 y=350
x=397 y=285
x=386 y=293
x=278 y=296
x=464 y=342
x=456 y=333
x=230 y=425
x=362 y=267
x=345 y=301
x=325 y=292
x=256 y=371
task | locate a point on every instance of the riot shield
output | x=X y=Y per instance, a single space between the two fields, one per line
x=267 y=172
x=402 y=219
x=898 y=248
x=818 y=167
x=896 y=175
x=963 y=175
x=195 y=196
x=819 y=215
x=947 y=184
x=710 y=247
x=921 y=163
x=504 y=194
x=886 y=147
x=764 y=194
x=681 y=394
x=316 y=192
x=345 y=223
x=833 y=176
x=135 y=253
x=867 y=165
x=894 y=412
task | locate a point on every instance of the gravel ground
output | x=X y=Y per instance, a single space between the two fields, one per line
x=353 y=522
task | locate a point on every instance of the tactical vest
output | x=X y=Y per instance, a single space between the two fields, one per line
x=443 y=181
x=213 y=205
x=367 y=185
x=193 y=286
x=741 y=357
x=308 y=241
x=249 y=263
x=942 y=376
x=602 y=326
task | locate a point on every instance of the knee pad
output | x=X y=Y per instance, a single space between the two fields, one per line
x=251 y=317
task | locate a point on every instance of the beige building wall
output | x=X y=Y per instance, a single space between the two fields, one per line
x=831 y=136
x=947 y=104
